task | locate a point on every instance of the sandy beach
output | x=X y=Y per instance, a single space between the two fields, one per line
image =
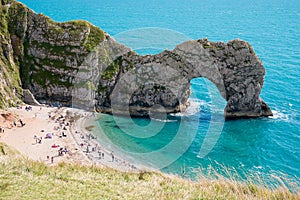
x=55 y=135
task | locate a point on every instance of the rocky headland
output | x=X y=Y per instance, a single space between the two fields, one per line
x=77 y=64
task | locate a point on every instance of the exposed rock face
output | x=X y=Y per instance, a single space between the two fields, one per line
x=160 y=83
x=77 y=64
x=236 y=71
x=29 y=98
x=10 y=83
x=49 y=54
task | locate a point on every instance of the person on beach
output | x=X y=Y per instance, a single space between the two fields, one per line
x=112 y=157
x=63 y=134
x=60 y=151
x=87 y=149
x=88 y=136
x=36 y=139
x=64 y=151
x=21 y=122
x=52 y=159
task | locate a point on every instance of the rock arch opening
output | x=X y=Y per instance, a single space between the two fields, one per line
x=205 y=97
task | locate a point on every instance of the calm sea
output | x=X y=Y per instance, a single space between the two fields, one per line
x=260 y=146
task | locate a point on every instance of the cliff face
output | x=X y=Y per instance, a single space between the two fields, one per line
x=10 y=83
x=77 y=64
x=42 y=55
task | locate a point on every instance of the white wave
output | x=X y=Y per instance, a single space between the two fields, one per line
x=258 y=167
x=164 y=120
x=280 y=115
x=192 y=109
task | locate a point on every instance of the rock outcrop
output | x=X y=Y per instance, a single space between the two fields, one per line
x=160 y=83
x=28 y=98
x=79 y=65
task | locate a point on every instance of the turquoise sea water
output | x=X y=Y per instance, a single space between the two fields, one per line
x=263 y=146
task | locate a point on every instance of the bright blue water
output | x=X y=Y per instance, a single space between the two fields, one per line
x=273 y=29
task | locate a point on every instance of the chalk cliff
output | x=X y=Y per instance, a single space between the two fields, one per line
x=77 y=64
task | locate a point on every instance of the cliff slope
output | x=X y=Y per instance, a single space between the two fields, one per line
x=10 y=83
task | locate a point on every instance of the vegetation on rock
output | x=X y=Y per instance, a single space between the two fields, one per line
x=36 y=51
x=112 y=69
x=10 y=84
x=94 y=38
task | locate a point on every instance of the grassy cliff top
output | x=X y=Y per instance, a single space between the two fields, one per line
x=25 y=179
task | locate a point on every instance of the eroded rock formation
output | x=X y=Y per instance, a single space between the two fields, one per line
x=77 y=64
x=160 y=83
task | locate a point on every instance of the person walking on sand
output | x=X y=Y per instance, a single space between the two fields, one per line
x=36 y=139
x=22 y=123
x=112 y=157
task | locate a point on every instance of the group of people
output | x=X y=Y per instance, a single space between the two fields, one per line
x=62 y=151
x=94 y=150
x=21 y=123
x=38 y=140
x=28 y=108
x=61 y=120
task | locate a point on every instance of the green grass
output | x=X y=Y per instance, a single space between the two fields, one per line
x=16 y=15
x=26 y=179
x=95 y=37
x=112 y=69
x=6 y=150
x=45 y=78
x=9 y=70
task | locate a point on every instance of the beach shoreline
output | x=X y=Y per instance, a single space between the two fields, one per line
x=54 y=135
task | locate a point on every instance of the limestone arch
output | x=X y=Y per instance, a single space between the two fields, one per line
x=235 y=70
x=233 y=67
